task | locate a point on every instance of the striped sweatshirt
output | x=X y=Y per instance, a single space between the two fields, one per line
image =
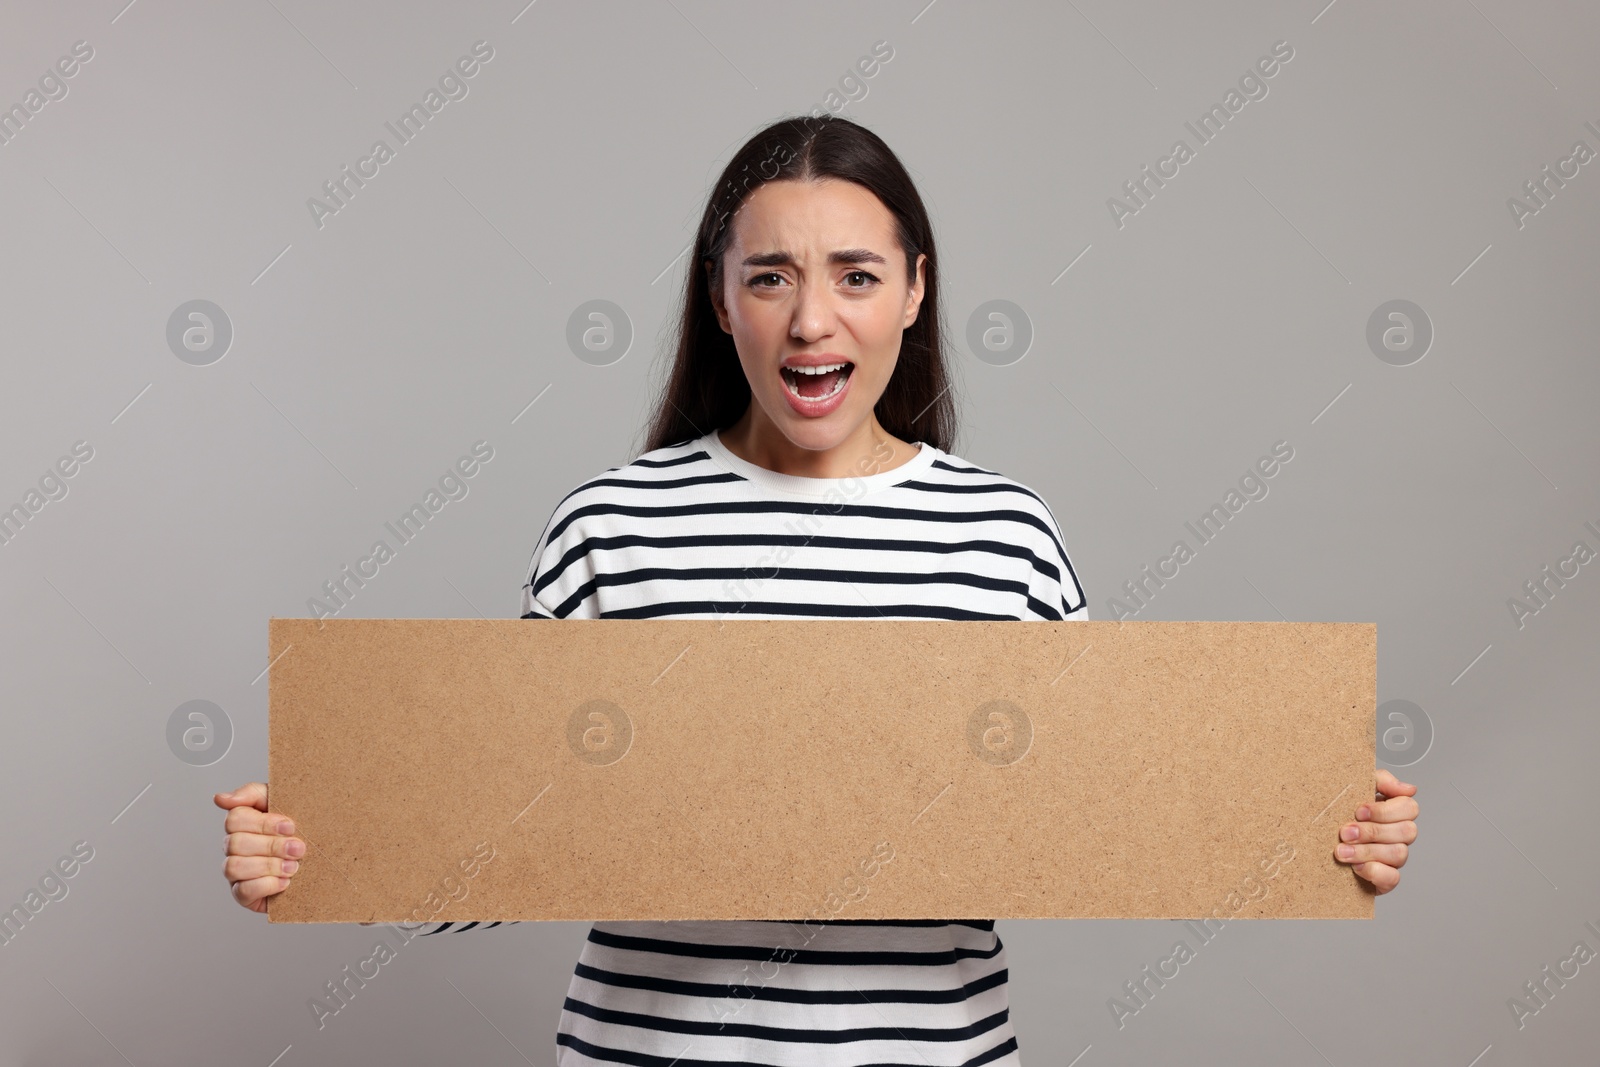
x=689 y=531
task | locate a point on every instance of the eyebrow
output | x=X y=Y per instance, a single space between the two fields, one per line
x=786 y=259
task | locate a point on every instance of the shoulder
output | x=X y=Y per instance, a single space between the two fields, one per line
x=1030 y=525
x=987 y=488
x=601 y=506
x=642 y=481
x=660 y=478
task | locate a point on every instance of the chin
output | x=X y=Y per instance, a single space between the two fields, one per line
x=818 y=435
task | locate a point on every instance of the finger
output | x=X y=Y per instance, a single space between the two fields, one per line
x=251 y=793
x=258 y=822
x=1384 y=832
x=248 y=844
x=1396 y=810
x=239 y=868
x=1392 y=855
x=252 y=892
x=1390 y=786
x=1382 y=876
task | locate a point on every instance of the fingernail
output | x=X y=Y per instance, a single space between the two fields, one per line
x=1349 y=833
x=1345 y=852
x=285 y=827
x=296 y=848
x=1363 y=812
x=290 y=866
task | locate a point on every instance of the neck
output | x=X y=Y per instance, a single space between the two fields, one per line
x=868 y=449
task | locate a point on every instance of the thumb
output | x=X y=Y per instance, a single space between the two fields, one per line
x=251 y=793
x=1390 y=786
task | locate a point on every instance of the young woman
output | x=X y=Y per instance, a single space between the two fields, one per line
x=797 y=468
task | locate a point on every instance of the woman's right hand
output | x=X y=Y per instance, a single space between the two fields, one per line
x=262 y=851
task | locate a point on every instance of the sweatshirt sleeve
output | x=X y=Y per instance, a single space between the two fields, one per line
x=1054 y=592
x=537 y=605
x=560 y=581
x=439 y=928
x=1074 y=604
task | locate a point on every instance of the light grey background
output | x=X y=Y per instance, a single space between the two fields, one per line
x=369 y=354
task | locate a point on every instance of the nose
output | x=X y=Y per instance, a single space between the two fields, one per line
x=814 y=313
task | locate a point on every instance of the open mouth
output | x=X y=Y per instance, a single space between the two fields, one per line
x=816 y=383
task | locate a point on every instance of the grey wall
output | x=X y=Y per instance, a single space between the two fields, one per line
x=1229 y=312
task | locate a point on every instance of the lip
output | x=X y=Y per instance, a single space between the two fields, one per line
x=815 y=359
x=816 y=409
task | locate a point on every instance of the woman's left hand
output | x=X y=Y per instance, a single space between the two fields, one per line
x=1377 y=842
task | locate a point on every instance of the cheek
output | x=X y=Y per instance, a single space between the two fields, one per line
x=876 y=333
x=753 y=376
x=883 y=371
x=758 y=323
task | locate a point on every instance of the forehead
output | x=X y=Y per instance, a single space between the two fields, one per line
x=812 y=217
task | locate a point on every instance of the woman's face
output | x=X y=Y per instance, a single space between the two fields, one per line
x=814 y=274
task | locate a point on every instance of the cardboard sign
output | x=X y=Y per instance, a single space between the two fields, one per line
x=467 y=769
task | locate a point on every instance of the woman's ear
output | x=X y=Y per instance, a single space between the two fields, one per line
x=916 y=289
x=716 y=298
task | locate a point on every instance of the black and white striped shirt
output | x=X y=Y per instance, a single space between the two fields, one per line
x=693 y=531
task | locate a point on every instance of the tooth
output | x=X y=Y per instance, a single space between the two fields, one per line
x=837 y=386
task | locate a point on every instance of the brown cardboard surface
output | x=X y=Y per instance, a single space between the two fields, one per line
x=468 y=769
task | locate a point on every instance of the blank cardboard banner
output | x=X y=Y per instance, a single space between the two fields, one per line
x=468 y=769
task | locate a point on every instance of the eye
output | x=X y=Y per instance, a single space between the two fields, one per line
x=863 y=274
x=759 y=277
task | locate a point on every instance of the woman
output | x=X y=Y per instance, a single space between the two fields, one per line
x=798 y=468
